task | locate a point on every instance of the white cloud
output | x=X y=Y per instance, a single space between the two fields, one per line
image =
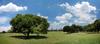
x=81 y=13
x=10 y=7
x=38 y=14
x=4 y=28
x=64 y=17
x=56 y=25
x=4 y=20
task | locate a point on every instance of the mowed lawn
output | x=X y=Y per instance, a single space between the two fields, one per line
x=51 y=38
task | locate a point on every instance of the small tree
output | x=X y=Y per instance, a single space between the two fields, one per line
x=28 y=23
x=97 y=25
x=3 y=32
x=66 y=29
x=72 y=29
x=93 y=27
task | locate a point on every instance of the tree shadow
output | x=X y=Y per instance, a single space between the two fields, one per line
x=30 y=37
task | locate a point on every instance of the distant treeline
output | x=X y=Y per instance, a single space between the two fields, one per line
x=93 y=27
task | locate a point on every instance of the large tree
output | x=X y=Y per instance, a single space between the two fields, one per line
x=28 y=23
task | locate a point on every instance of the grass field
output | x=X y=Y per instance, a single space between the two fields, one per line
x=51 y=38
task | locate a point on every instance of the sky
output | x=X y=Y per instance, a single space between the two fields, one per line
x=58 y=12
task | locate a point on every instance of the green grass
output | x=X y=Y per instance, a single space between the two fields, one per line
x=52 y=38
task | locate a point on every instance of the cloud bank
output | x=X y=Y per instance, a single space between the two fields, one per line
x=82 y=13
x=4 y=20
x=4 y=28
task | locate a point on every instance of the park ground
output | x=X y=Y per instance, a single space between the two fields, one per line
x=54 y=37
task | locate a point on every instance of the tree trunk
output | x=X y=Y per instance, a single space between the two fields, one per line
x=37 y=34
x=27 y=35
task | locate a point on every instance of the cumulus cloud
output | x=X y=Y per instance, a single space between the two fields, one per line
x=10 y=7
x=38 y=14
x=81 y=13
x=64 y=17
x=4 y=20
x=4 y=28
x=56 y=25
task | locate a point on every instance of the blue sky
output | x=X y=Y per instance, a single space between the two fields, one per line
x=58 y=12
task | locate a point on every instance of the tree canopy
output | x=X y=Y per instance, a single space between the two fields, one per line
x=28 y=23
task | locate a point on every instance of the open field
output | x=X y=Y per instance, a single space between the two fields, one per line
x=51 y=38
